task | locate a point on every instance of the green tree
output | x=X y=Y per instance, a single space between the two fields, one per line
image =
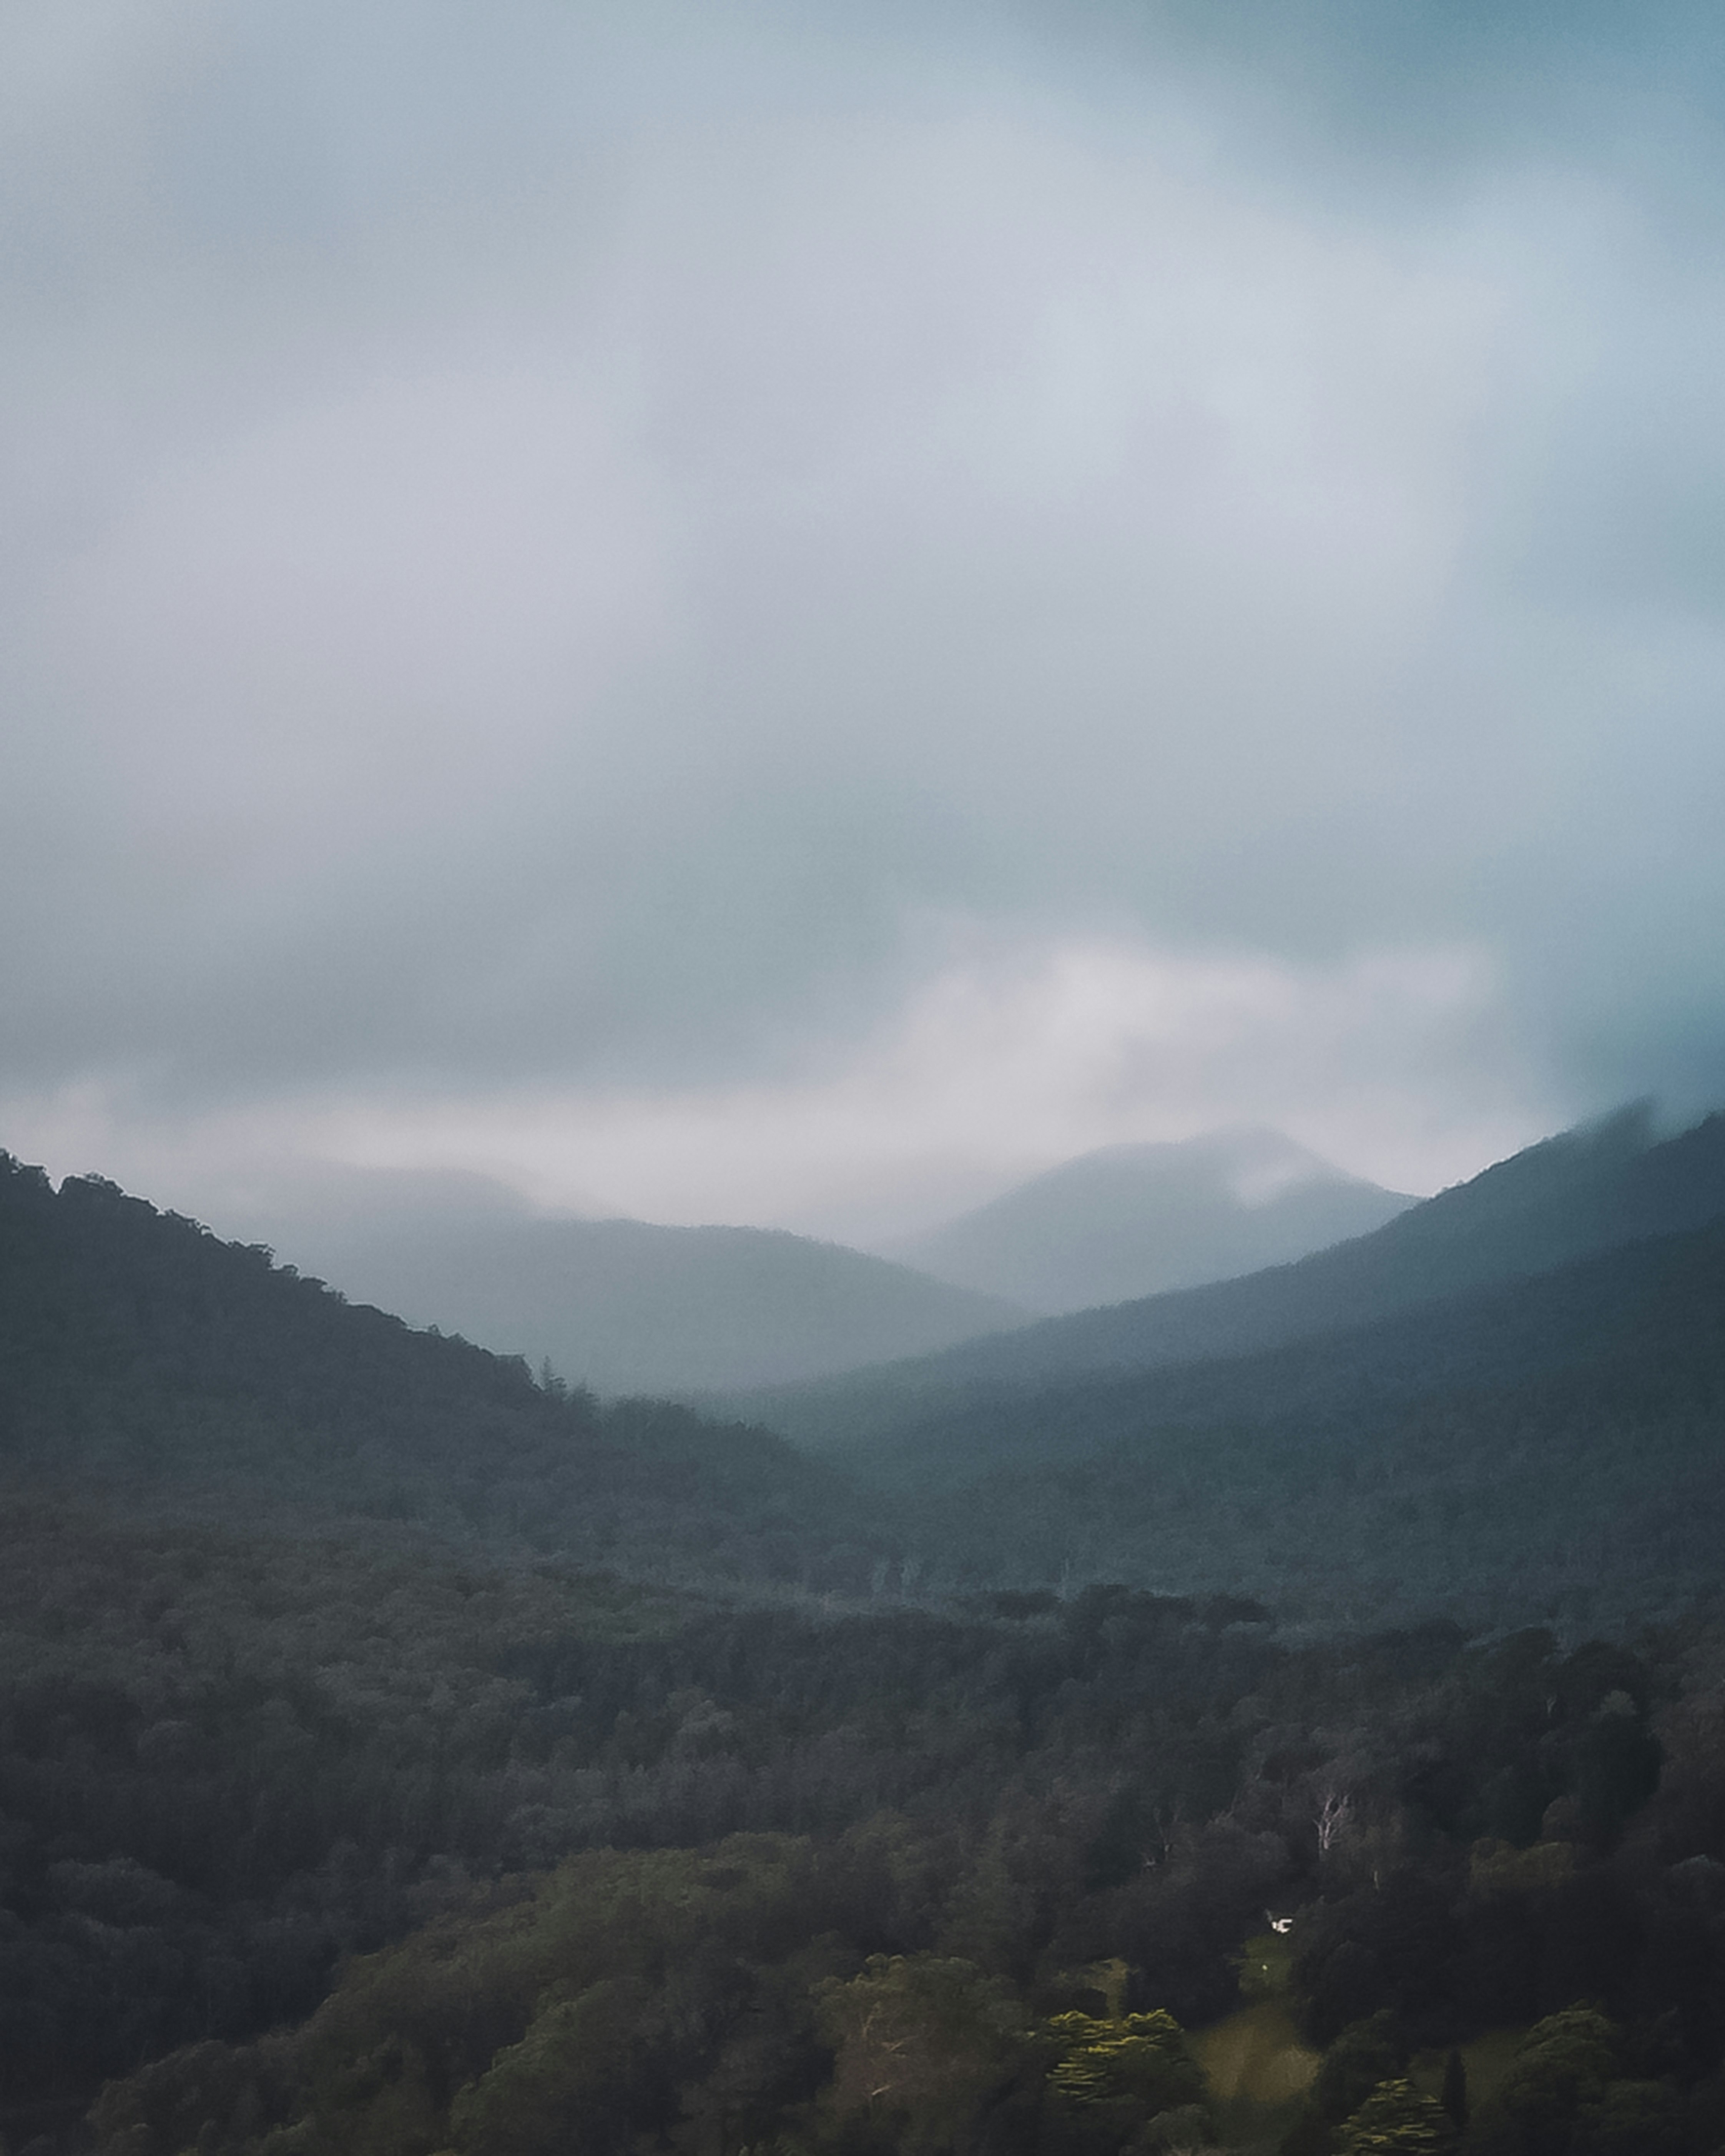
x=1396 y=2120
x=571 y=2070
x=1565 y=2062
x=1111 y=2078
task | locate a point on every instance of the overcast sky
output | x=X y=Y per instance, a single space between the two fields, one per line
x=790 y=613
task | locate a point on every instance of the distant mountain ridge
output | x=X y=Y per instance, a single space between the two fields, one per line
x=1133 y=1221
x=628 y=1306
x=1585 y=1190
x=1550 y=1446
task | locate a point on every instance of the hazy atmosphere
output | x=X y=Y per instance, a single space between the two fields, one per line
x=789 y=614
x=862 y=1078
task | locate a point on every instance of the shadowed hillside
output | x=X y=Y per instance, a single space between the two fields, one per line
x=1551 y=1448
x=1589 y=1189
x=141 y=1354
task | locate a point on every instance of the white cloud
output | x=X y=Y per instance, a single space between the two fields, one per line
x=1001 y=1063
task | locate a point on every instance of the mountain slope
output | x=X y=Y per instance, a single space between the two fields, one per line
x=1548 y=1447
x=628 y=1307
x=142 y=1359
x=1654 y=1309
x=1134 y=1220
x=1588 y=1189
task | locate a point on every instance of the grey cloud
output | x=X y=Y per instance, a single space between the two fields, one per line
x=551 y=543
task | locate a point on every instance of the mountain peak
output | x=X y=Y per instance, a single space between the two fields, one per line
x=1137 y=1219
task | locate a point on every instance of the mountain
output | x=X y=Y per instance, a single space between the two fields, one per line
x=1134 y=1220
x=625 y=1306
x=1588 y=1189
x=301 y=1648
x=144 y=1362
x=1552 y=1447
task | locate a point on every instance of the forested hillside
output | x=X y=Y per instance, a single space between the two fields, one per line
x=348 y=1809
x=994 y=1881
x=140 y=1356
x=1553 y=1447
x=1589 y=1189
x=1545 y=1448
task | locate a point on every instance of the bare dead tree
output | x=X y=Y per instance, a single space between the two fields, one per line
x=1334 y=1807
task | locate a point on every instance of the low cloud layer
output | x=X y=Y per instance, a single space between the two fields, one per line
x=772 y=612
x=1004 y=1061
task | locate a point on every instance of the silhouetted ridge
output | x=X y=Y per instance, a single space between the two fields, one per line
x=138 y=1350
x=154 y=1299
